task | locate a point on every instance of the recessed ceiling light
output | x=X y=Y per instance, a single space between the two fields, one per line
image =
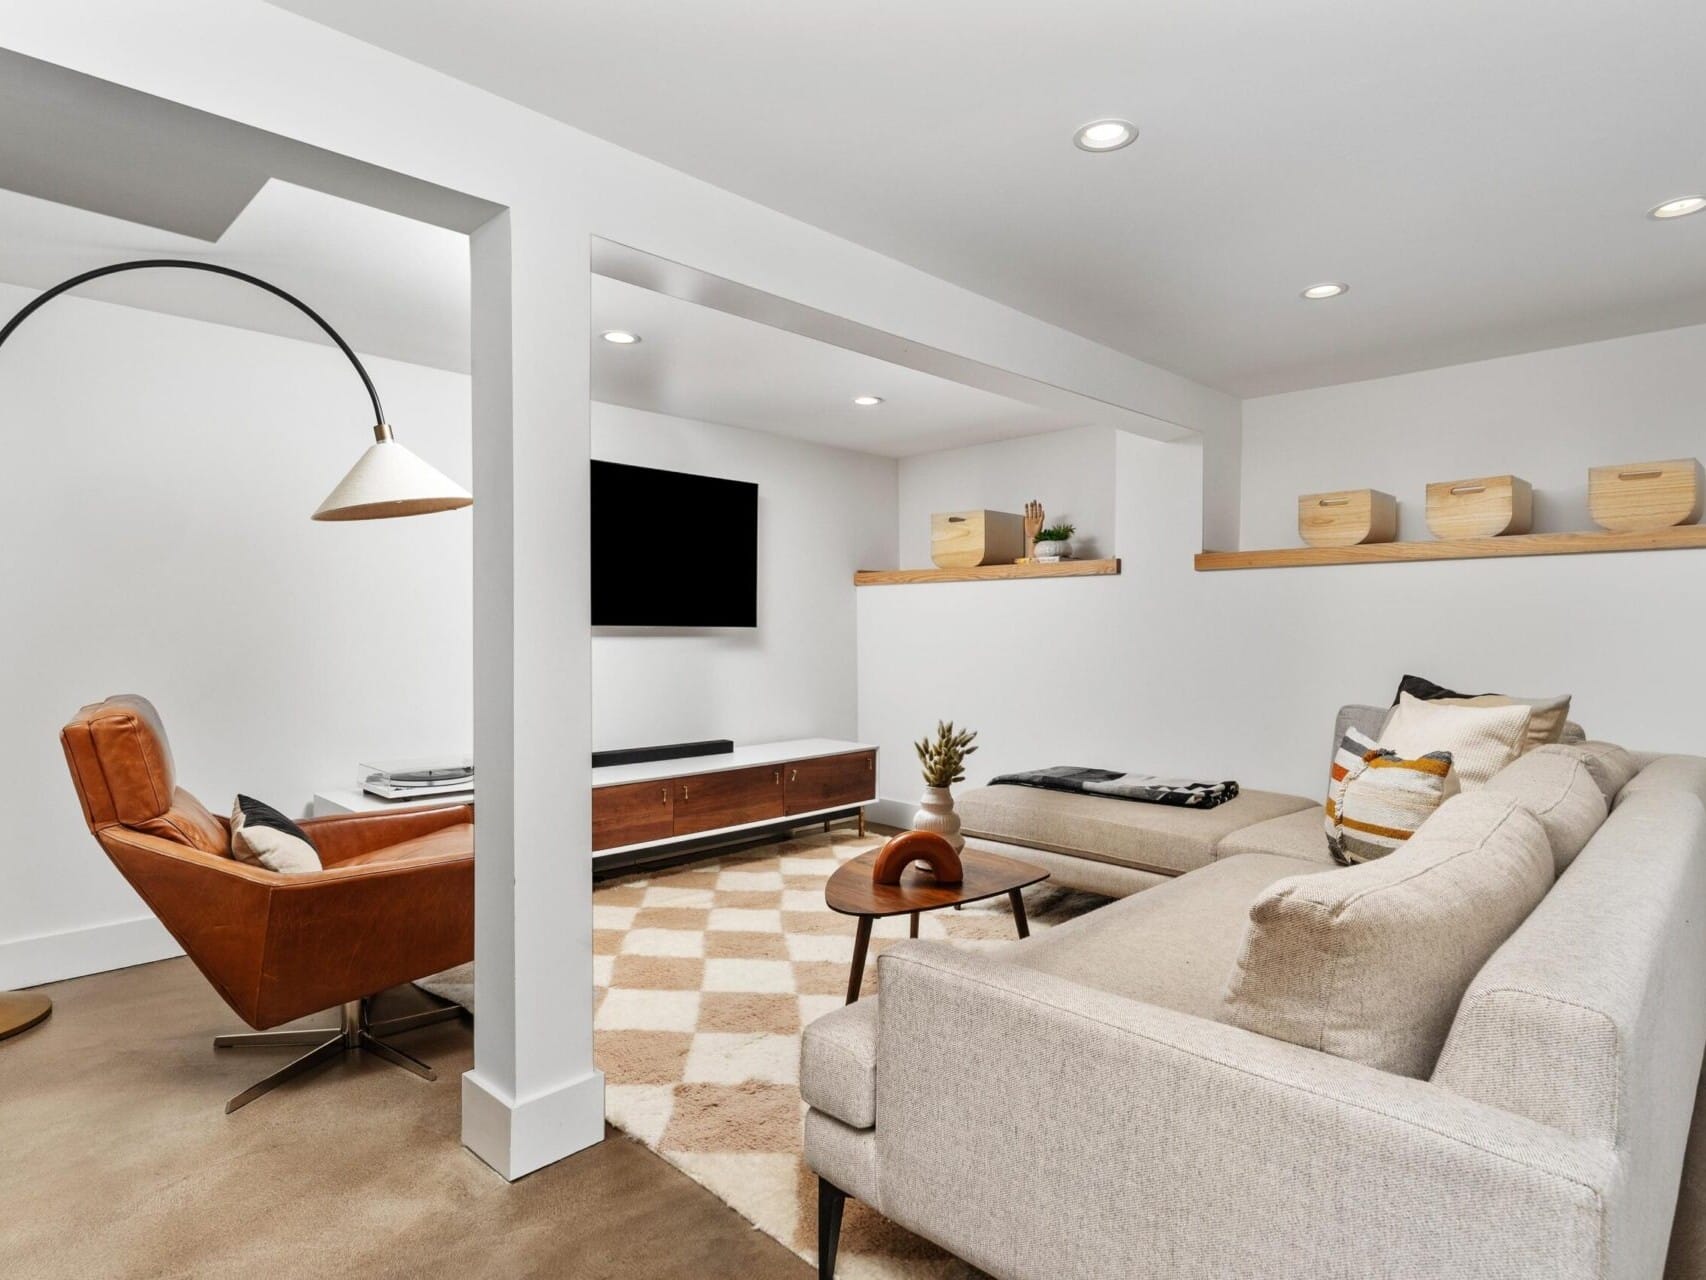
x=621 y=337
x=1316 y=292
x=1681 y=207
x=1105 y=135
x=867 y=401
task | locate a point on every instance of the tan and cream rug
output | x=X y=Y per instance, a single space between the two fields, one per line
x=705 y=976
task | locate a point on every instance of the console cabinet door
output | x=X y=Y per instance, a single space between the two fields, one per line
x=706 y=801
x=828 y=782
x=632 y=813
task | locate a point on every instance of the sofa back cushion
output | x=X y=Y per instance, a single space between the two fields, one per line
x=1557 y=785
x=1370 y=962
x=1612 y=766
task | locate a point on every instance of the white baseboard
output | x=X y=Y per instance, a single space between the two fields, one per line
x=515 y=1138
x=53 y=957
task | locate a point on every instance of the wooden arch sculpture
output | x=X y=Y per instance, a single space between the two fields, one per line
x=917 y=846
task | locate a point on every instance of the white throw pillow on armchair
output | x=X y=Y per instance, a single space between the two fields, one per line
x=1482 y=740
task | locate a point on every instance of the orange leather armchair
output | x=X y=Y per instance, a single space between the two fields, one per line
x=394 y=902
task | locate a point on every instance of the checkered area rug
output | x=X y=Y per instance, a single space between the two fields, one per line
x=705 y=976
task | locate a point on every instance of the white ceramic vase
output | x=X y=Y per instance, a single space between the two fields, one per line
x=1049 y=552
x=936 y=813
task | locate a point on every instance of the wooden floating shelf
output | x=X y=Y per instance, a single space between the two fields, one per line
x=986 y=573
x=1516 y=544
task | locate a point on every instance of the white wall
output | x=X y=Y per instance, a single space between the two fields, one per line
x=1070 y=472
x=822 y=513
x=1238 y=674
x=1546 y=417
x=157 y=540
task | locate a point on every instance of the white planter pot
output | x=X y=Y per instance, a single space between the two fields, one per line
x=1049 y=552
x=936 y=813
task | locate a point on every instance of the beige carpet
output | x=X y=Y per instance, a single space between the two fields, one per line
x=706 y=975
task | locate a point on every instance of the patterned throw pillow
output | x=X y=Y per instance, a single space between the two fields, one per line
x=1376 y=800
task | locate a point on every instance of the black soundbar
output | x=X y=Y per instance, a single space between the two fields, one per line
x=676 y=751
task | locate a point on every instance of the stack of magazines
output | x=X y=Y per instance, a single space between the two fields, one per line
x=422 y=779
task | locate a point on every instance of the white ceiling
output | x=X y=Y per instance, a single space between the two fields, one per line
x=1478 y=172
x=695 y=362
x=392 y=286
x=398 y=288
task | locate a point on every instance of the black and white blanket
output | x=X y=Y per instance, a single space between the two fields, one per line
x=1123 y=786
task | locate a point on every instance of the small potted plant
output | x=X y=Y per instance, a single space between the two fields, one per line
x=1055 y=542
x=943 y=759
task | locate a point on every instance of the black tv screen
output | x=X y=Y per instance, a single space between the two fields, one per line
x=672 y=549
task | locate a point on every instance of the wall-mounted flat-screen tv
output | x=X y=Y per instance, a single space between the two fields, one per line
x=671 y=549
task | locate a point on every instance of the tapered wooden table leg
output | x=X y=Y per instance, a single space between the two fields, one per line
x=914 y=932
x=1019 y=921
x=861 y=944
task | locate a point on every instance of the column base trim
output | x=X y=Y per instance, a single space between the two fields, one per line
x=516 y=1138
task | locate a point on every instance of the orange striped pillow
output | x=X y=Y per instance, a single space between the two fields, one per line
x=1376 y=800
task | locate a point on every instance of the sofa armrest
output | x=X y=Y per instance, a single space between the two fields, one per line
x=342 y=836
x=1036 y=1127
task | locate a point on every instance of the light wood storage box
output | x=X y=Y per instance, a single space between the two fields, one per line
x=1484 y=507
x=1347 y=517
x=964 y=539
x=1639 y=497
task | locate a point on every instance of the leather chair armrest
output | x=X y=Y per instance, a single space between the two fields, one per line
x=340 y=934
x=342 y=836
x=214 y=906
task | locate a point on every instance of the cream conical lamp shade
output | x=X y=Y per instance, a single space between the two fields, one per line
x=388 y=480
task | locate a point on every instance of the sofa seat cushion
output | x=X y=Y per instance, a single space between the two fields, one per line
x=446 y=842
x=838 y=1063
x=1173 y=945
x=1292 y=835
x=1369 y=962
x=1150 y=837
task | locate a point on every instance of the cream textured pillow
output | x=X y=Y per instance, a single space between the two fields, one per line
x=1557 y=785
x=1546 y=716
x=1370 y=962
x=1376 y=799
x=1482 y=740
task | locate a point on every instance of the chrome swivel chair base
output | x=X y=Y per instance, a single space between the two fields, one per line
x=356 y=1032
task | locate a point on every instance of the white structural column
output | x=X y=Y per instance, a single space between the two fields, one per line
x=534 y=1095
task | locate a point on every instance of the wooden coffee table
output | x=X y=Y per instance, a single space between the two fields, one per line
x=852 y=892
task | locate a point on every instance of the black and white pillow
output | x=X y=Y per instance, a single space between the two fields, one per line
x=264 y=837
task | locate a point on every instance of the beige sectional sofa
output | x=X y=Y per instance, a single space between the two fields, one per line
x=1477 y=1057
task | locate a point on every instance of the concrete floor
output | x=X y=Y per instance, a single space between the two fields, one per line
x=116 y=1159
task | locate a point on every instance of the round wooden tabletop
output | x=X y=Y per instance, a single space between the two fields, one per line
x=851 y=891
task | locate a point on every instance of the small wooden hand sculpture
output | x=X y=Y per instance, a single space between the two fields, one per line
x=1033 y=526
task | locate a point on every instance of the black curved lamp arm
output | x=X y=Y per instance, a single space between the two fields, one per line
x=189 y=265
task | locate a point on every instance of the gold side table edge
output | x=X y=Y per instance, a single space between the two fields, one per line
x=19 y=1011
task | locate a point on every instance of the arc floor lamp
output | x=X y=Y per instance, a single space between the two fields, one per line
x=387 y=480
